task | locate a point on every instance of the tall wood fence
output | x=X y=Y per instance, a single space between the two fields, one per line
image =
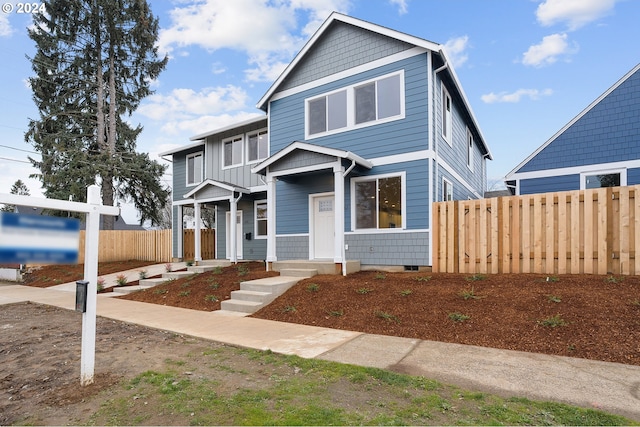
x=207 y=243
x=145 y=245
x=593 y=231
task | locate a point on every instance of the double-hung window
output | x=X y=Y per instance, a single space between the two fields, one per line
x=194 y=168
x=365 y=104
x=378 y=202
x=232 y=152
x=447 y=190
x=257 y=146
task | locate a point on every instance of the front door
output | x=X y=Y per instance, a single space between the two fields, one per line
x=323 y=227
x=238 y=234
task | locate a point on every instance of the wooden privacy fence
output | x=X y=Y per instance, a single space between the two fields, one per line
x=593 y=231
x=145 y=245
x=207 y=244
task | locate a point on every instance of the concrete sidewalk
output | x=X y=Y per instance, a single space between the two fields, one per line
x=612 y=387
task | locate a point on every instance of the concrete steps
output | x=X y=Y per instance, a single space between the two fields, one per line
x=255 y=294
x=299 y=272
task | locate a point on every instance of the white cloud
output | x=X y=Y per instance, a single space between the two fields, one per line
x=269 y=32
x=533 y=94
x=403 y=6
x=456 y=50
x=548 y=51
x=201 y=124
x=5 y=26
x=186 y=103
x=575 y=13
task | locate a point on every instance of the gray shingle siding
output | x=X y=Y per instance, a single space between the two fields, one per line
x=389 y=248
x=292 y=247
x=340 y=48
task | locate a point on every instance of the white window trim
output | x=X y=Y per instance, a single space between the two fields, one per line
x=255 y=219
x=186 y=169
x=403 y=201
x=470 y=149
x=351 y=125
x=444 y=194
x=446 y=119
x=584 y=175
x=233 y=138
x=256 y=132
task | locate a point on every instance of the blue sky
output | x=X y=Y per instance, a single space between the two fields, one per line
x=527 y=66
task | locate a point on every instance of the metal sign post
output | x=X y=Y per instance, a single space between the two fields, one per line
x=93 y=210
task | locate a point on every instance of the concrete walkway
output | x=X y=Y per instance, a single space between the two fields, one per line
x=612 y=387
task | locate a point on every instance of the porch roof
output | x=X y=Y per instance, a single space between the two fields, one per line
x=261 y=168
x=230 y=187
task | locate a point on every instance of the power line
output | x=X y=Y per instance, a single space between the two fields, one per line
x=14 y=160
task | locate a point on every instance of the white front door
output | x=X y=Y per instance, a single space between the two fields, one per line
x=323 y=227
x=238 y=234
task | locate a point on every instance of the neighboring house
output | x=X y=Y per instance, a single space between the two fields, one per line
x=363 y=130
x=598 y=148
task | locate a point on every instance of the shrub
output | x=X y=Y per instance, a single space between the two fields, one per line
x=467 y=294
x=476 y=277
x=363 y=291
x=142 y=274
x=458 y=317
x=553 y=321
x=100 y=283
x=313 y=287
x=211 y=298
x=289 y=309
x=405 y=293
x=189 y=263
x=184 y=293
x=423 y=278
x=168 y=267
x=554 y=298
x=381 y=276
x=335 y=313
x=121 y=279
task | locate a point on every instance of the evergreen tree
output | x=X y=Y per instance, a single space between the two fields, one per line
x=19 y=188
x=93 y=65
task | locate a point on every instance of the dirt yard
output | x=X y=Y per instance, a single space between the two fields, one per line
x=589 y=316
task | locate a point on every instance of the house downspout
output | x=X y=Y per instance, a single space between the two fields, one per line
x=435 y=156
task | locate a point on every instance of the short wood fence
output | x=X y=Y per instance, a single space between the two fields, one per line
x=207 y=244
x=123 y=245
x=593 y=231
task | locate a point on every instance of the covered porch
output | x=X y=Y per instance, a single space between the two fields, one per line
x=309 y=224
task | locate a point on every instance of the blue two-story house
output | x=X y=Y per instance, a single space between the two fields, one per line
x=600 y=147
x=363 y=131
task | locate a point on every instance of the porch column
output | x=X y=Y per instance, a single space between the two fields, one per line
x=197 y=257
x=233 y=222
x=338 y=183
x=179 y=223
x=271 y=220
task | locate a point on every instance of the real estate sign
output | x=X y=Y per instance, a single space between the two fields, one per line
x=38 y=239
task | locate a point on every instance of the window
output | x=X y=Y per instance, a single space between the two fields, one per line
x=367 y=104
x=378 y=202
x=602 y=180
x=232 y=152
x=469 y=149
x=261 y=218
x=447 y=190
x=257 y=146
x=446 y=116
x=328 y=113
x=194 y=168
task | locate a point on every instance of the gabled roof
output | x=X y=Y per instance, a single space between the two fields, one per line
x=305 y=146
x=335 y=16
x=573 y=121
x=220 y=184
x=417 y=41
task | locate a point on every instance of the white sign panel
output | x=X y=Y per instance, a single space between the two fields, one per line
x=38 y=239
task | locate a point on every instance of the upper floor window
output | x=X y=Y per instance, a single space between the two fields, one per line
x=447 y=123
x=194 y=168
x=469 y=149
x=232 y=152
x=257 y=146
x=369 y=103
x=378 y=202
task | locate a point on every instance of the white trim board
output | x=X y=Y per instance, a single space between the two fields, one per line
x=575 y=170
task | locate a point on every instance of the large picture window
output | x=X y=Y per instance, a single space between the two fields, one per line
x=194 y=168
x=378 y=202
x=366 y=104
